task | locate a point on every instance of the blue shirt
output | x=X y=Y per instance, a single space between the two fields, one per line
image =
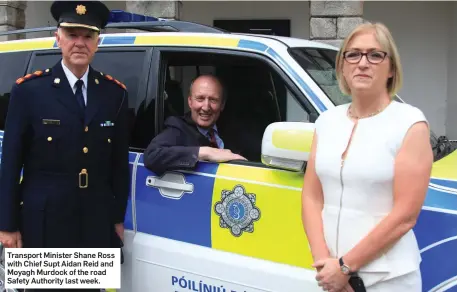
x=219 y=141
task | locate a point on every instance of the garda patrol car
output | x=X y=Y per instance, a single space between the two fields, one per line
x=231 y=226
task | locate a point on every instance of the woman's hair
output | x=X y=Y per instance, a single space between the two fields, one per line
x=385 y=39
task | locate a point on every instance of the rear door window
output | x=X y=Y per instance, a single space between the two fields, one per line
x=12 y=66
x=130 y=66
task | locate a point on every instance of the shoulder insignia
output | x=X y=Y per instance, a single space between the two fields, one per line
x=32 y=76
x=110 y=78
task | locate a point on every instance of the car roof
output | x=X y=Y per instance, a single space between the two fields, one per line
x=293 y=41
x=205 y=39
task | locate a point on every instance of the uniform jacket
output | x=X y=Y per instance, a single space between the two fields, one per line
x=176 y=147
x=75 y=180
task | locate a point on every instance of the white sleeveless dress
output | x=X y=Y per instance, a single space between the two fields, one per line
x=360 y=195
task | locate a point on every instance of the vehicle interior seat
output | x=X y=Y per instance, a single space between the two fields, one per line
x=248 y=111
x=174 y=99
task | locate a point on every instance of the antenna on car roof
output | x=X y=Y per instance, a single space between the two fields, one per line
x=126 y=20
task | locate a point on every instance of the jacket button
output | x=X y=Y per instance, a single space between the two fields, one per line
x=109 y=140
x=49 y=139
x=85 y=150
x=86 y=129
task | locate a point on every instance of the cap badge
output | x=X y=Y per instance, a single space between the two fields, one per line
x=81 y=9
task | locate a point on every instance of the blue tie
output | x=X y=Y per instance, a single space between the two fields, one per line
x=79 y=94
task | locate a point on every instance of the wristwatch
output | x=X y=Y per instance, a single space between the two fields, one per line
x=345 y=269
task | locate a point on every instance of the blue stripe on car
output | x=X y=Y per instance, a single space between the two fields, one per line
x=302 y=83
x=437 y=261
x=440 y=199
x=118 y=40
x=445 y=183
x=253 y=45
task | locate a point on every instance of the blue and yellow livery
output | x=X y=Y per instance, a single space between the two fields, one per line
x=233 y=226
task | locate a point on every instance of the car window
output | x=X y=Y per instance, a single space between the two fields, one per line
x=291 y=110
x=44 y=60
x=12 y=66
x=127 y=66
x=258 y=94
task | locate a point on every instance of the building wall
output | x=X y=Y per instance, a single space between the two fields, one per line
x=423 y=39
x=424 y=42
x=206 y=11
x=451 y=115
x=37 y=14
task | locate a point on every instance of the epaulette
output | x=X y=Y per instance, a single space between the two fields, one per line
x=33 y=76
x=110 y=78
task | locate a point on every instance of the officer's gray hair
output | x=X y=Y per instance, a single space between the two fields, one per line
x=60 y=33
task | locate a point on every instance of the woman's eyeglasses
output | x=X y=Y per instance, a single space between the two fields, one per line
x=374 y=57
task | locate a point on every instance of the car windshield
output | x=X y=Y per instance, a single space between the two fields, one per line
x=320 y=66
x=319 y=63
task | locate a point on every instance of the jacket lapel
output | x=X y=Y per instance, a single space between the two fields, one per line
x=63 y=91
x=202 y=140
x=93 y=95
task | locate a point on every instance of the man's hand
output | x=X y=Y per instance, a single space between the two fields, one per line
x=218 y=155
x=330 y=277
x=11 y=239
x=119 y=227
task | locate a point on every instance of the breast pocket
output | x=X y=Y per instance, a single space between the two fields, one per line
x=105 y=140
x=48 y=139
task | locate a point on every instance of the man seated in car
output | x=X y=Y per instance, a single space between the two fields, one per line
x=187 y=139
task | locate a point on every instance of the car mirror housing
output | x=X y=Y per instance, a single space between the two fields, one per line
x=287 y=145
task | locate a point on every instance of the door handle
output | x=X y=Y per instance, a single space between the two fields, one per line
x=171 y=185
x=160 y=183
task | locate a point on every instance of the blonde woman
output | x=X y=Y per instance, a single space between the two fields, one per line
x=368 y=174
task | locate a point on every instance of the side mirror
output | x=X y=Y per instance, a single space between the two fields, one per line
x=287 y=145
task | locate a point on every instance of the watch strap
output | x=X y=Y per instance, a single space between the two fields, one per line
x=346 y=266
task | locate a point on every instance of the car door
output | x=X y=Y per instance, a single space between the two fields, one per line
x=132 y=67
x=202 y=228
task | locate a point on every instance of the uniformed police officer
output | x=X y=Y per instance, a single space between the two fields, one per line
x=67 y=131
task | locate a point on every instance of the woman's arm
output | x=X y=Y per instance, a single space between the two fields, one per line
x=312 y=204
x=411 y=177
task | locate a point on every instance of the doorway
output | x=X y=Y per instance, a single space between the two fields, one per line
x=278 y=27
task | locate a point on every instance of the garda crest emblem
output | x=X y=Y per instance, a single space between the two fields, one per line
x=81 y=9
x=237 y=210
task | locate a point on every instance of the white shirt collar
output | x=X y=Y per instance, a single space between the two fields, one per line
x=72 y=78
